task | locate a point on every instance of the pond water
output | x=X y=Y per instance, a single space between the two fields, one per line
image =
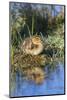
x=53 y=84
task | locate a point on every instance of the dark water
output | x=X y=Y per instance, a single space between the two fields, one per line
x=53 y=84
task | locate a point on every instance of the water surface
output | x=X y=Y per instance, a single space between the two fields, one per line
x=53 y=84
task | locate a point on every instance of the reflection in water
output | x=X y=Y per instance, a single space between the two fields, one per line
x=53 y=84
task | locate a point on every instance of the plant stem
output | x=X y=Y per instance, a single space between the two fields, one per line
x=32 y=24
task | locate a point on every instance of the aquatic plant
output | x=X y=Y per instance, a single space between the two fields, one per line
x=56 y=44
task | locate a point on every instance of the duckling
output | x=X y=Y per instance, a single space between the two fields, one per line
x=32 y=45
